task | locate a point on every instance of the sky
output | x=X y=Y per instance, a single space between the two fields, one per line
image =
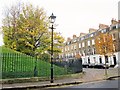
x=72 y=16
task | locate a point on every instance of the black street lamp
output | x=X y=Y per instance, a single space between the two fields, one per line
x=52 y=20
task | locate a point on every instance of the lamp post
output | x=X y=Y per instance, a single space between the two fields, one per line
x=52 y=20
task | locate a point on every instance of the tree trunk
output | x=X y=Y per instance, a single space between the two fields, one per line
x=105 y=68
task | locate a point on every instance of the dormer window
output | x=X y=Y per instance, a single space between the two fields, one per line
x=74 y=40
x=82 y=38
x=103 y=31
x=91 y=35
x=114 y=27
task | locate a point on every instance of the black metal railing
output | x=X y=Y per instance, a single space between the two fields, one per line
x=17 y=65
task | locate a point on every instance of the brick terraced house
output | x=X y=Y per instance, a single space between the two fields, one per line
x=84 y=45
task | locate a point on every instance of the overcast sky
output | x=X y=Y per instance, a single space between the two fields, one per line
x=73 y=16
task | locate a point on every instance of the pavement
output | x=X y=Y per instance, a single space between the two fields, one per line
x=90 y=76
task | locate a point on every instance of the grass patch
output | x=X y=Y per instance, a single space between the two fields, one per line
x=19 y=65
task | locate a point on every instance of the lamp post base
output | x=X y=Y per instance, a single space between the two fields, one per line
x=51 y=81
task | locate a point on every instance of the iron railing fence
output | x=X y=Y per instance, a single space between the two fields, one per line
x=17 y=65
x=74 y=65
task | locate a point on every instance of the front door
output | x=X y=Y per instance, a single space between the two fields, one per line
x=88 y=60
x=114 y=59
x=106 y=59
x=100 y=59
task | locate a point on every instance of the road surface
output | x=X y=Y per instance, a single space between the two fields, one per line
x=98 y=84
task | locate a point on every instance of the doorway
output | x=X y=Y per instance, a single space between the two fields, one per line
x=88 y=60
x=106 y=59
x=114 y=60
x=100 y=59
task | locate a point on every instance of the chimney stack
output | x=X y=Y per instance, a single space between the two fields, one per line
x=113 y=21
x=103 y=26
x=74 y=36
x=68 y=39
x=91 y=30
x=82 y=34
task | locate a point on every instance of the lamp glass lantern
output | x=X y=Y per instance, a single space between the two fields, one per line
x=52 y=18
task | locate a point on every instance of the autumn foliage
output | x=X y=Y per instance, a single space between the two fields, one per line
x=104 y=44
x=77 y=56
x=26 y=29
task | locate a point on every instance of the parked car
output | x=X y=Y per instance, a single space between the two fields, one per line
x=101 y=66
x=85 y=65
x=117 y=66
x=92 y=65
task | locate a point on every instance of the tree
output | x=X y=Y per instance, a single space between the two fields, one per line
x=57 y=43
x=25 y=29
x=104 y=45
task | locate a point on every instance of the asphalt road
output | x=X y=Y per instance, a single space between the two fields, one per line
x=98 y=74
x=98 y=84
